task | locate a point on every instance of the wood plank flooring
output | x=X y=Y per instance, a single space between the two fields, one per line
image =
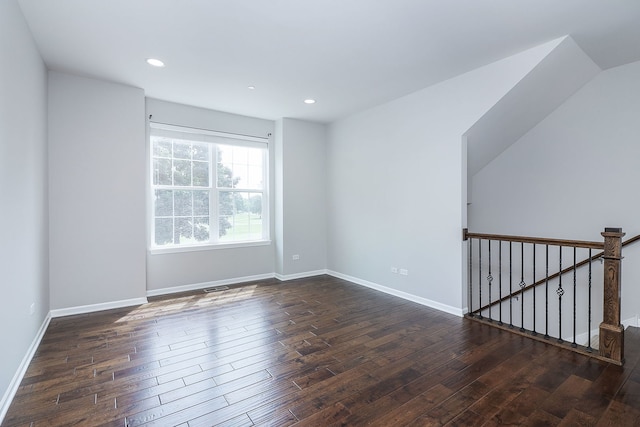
x=311 y=352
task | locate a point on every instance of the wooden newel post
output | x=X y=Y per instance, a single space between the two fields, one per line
x=611 y=331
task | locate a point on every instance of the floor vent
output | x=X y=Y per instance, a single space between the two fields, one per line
x=217 y=289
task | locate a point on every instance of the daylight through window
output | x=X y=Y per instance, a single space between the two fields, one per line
x=208 y=188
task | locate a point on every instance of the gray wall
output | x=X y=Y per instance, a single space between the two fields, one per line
x=23 y=192
x=301 y=198
x=97 y=191
x=573 y=174
x=396 y=184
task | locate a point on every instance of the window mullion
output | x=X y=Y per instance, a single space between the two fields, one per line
x=265 y=203
x=214 y=222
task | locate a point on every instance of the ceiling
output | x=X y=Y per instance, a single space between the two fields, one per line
x=349 y=55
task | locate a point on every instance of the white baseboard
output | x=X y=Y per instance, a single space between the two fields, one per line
x=82 y=309
x=285 y=277
x=233 y=281
x=203 y=285
x=404 y=295
x=632 y=321
x=22 y=369
x=583 y=338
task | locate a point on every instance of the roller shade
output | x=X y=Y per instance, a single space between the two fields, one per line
x=203 y=135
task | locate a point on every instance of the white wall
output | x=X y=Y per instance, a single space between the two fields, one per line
x=301 y=202
x=23 y=192
x=395 y=183
x=573 y=174
x=171 y=270
x=97 y=192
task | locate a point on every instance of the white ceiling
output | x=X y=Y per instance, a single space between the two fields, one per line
x=347 y=54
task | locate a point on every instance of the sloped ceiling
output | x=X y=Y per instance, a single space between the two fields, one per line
x=558 y=76
x=349 y=55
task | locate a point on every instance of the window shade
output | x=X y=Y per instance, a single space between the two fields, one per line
x=203 y=135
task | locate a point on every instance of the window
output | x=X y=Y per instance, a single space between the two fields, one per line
x=207 y=188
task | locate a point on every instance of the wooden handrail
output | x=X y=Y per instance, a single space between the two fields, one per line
x=534 y=240
x=631 y=240
x=553 y=276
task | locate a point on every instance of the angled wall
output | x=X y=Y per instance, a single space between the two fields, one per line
x=564 y=70
x=24 y=251
x=301 y=198
x=395 y=180
x=573 y=174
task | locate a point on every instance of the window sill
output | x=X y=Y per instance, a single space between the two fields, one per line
x=172 y=250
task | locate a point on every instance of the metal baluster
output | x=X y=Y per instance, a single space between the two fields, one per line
x=470 y=296
x=533 y=280
x=480 y=278
x=522 y=284
x=589 y=349
x=560 y=292
x=490 y=279
x=510 y=285
x=546 y=298
x=574 y=344
x=500 y=277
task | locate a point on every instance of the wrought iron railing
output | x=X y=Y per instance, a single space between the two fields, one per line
x=510 y=286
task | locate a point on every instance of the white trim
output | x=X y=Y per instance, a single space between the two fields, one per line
x=22 y=369
x=207 y=247
x=215 y=139
x=206 y=135
x=285 y=277
x=632 y=321
x=583 y=338
x=203 y=285
x=404 y=295
x=82 y=309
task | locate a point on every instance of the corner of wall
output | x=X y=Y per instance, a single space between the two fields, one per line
x=278 y=196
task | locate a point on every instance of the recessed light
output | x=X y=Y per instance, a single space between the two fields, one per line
x=155 y=62
x=309 y=101
x=251 y=87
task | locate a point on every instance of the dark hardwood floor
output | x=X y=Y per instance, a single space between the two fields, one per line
x=316 y=352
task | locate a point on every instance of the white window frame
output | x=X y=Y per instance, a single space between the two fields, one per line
x=215 y=139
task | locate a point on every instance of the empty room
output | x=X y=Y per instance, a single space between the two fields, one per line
x=315 y=213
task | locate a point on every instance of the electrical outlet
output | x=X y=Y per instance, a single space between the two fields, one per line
x=295 y=257
x=394 y=270
x=404 y=272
